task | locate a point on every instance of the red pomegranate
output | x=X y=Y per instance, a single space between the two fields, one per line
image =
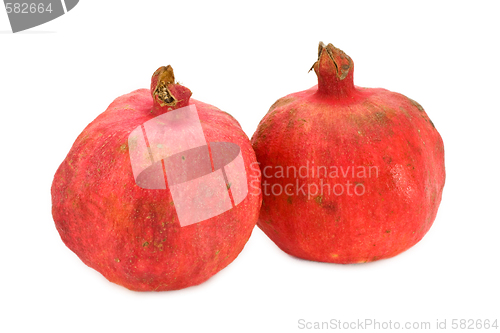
x=350 y=174
x=154 y=193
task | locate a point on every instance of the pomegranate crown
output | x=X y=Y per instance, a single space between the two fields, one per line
x=167 y=94
x=334 y=70
x=161 y=79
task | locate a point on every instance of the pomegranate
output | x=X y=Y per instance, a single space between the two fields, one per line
x=350 y=174
x=154 y=193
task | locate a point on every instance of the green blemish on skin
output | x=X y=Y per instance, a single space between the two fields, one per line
x=117 y=260
x=123 y=147
x=387 y=231
x=217 y=252
x=228 y=186
x=160 y=146
x=145 y=244
x=319 y=199
x=183 y=158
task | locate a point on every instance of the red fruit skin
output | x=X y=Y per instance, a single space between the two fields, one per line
x=132 y=235
x=338 y=124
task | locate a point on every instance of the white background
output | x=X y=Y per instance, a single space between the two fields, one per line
x=241 y=57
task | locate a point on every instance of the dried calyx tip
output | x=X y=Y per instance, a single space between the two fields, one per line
x=161 y=93
x=342 y=61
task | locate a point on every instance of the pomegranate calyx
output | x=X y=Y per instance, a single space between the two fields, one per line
x=165 y=76
x=335 y=70
x=342 y=61
x=167 y=94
